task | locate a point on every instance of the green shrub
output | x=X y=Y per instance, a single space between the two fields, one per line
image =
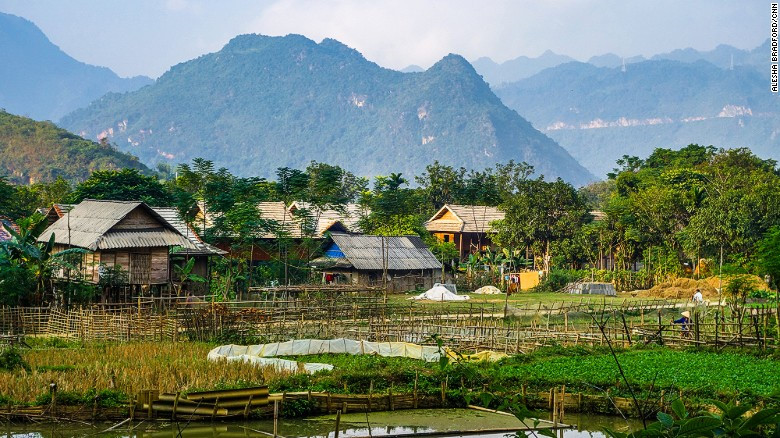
x=12 y=360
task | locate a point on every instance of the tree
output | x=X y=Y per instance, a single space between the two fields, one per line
x=539 y=214
x=395 y=210
x=441 y=184
x=768 y=253
x=122 y=185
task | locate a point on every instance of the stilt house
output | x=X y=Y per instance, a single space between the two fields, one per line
x=362 y=259
x=119 y=233
x=467 y=226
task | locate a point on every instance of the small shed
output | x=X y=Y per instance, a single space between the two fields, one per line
x=119 y=233
x=362 y=259
x=593 y=288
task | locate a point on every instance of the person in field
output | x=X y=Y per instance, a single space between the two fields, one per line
x=685 y=323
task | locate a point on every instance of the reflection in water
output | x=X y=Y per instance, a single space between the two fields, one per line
x=404 y=423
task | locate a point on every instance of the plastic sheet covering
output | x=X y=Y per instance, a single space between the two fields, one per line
x=488 y=290
x=440 y=293
x=304 y=347
x=279 y=364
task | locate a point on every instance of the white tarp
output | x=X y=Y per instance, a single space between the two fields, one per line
x=278 y=364
x=440 y=293
x=488 y=290
x=304 y=347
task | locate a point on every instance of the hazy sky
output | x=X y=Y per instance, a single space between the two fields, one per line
x=147 y=37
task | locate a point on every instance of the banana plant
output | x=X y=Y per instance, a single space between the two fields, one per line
x=39 y=258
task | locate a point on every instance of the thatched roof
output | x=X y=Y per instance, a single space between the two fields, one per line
x=455 y=218
x=365 y=252
x=91 y=223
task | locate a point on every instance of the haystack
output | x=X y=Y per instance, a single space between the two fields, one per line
x=488 y=290
x=684 y=288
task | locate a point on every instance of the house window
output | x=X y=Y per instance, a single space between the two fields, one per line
x=446 y=238
x=140 y=268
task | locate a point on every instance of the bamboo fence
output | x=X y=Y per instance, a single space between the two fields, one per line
x=462 y=326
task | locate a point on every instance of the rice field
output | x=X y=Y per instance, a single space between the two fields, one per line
x=126 y=368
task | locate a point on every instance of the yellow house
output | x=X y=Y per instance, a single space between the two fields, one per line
x=467 y=226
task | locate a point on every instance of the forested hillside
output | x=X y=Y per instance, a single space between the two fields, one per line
x=39 y=80
x=266 y=102
x=600 y=114
x=32 y=151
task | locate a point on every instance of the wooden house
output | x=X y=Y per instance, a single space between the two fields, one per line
x=294 y=223
x=119 y=233
x=179 y=255
x=57 y=211
x=467 y=226
x=323 y=220
x=363 y=259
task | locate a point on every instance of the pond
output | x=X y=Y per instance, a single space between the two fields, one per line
x=421 y=422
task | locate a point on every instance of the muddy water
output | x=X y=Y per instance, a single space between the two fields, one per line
x=426 y=422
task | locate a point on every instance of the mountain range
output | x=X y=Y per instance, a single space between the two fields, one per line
x=722 y=56
x=266 y=102
x=32 y=151
x=600 y=113
x=39 y=80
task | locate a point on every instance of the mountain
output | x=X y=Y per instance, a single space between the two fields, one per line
x=32 y=151
x=265 y=102
x=611 y=60
x=41 y=81
x=600 y=114
x=413 y=68
x=519 y=68
x=723 y=56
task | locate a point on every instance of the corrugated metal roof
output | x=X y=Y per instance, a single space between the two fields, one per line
x=468 y=219
x=402 y=252
x=171 y=215
x=140 y=238
x=87 y=223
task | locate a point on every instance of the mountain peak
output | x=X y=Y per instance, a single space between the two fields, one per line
x=283 y=101
x=453 y=63
x=44 y=82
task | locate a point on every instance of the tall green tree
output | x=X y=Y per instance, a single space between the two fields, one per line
x=539 y=215
x=122 y=185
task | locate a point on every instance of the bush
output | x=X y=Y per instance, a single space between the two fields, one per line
x=12 y=360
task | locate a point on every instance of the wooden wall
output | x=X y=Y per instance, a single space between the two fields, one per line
x=133 y=261
x=137 y=219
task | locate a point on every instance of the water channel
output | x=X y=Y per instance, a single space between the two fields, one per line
x=422 y=422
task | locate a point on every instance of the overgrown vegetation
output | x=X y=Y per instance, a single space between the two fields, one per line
x=88 y=370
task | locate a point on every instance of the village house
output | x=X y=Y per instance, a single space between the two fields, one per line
x=467 y=226
x=362 y=259
x=127 y=234
x=202 y=252
x=293 y=223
